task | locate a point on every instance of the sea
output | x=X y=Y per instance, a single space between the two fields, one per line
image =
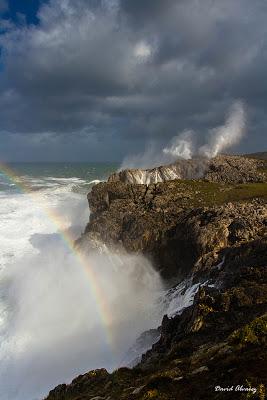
x=62 y=315
x=58 y=317
x=26 y=189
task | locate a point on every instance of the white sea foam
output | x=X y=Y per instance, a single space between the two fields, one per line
x=65 y=180
x=95 y=182
x=49 y=324
x=51 y=328
x=180 y=297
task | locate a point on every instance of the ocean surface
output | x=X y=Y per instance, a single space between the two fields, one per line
x=27 y=190
x=58 y=316
x=54 y=175
x=62 y=315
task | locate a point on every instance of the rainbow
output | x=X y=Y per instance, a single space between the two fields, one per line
x=95 y=288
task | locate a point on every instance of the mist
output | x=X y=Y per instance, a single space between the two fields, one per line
x=184 y=145
x=52 y=328
x=224 y=137
x=181 y=146
x=151 y=157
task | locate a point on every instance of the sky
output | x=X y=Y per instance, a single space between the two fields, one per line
x=98 y=80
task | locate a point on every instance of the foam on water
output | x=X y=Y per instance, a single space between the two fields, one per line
x=50 y=330
x=23 y=215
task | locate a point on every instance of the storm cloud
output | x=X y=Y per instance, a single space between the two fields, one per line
x=103 y=79
x=3 y=6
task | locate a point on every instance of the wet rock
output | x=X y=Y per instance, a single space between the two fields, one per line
x=138 y=390
x=199 y=370
x=97 y=398
x=141 y=345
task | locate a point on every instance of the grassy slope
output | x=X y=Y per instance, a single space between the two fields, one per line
x=194 y=193
x=201 y=193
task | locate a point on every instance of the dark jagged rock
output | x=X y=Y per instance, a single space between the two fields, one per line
x=215 y=232
x=142 y=344
x=218 y=341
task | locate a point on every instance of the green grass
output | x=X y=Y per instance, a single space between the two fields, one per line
x=201 y=193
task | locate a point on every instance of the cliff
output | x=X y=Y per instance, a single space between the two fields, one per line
x=213 y=230
x=180 y=224
x=231 y=169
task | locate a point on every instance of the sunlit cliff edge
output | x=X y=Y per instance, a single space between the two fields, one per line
x=199 y=220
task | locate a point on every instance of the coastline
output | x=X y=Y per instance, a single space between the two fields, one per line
x=213 y=232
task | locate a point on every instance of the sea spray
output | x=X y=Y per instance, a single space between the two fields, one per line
x=181 y=146
x=53 y=327
x=50 y=326
x=224 y=137
x=218 y=139
x=184 y=145
x=171 y=302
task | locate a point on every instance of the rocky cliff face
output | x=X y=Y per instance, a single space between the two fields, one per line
x=213 y=230
x=220 y=341
x=180 y=225
x=231 y=169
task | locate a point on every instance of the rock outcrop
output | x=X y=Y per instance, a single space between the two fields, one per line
x=179 y=225
x=213 y=230
x=230 y=169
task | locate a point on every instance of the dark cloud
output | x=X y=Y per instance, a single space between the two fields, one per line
x=113 y=75
x=3 y=6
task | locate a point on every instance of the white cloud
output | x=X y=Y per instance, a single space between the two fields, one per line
x=142 y=50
